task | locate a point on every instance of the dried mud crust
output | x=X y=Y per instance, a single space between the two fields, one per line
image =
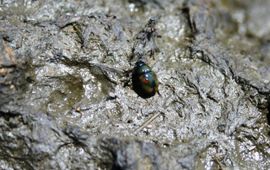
x=66 y=102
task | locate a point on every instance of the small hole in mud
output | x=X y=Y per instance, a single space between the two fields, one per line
x=146 y=132
x=129 y=121
x=166 y=145
x=29 y=80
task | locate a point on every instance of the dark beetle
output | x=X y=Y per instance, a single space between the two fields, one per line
x=144 y=80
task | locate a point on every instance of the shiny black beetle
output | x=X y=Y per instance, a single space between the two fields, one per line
x=144 y=80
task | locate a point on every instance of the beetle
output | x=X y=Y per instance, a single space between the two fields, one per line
x=144 y=80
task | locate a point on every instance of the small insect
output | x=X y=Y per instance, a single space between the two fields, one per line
x=144 y=80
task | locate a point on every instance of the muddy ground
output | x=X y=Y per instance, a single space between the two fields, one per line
x=67 y=102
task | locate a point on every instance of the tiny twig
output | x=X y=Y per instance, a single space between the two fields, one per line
x=147 y=122
x=219 y=163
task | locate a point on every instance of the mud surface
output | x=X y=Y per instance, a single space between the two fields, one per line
x=66 y=99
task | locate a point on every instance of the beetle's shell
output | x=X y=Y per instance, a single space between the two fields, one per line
x=144 y=80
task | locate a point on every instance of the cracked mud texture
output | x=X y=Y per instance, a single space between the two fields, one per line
x=66 y=101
